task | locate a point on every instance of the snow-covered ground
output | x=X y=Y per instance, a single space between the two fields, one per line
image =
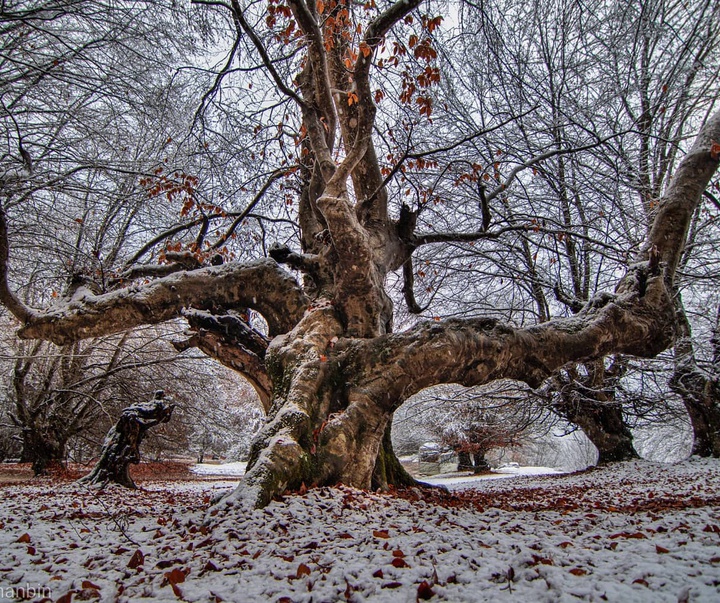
x=458 y=481
x=236 y=468
x=636 y=531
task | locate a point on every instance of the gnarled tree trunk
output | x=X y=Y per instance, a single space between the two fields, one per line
x=122 y=443
x=587 y=399
x=699 y=390
x=605 y=427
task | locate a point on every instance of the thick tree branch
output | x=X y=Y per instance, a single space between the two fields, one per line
x=672 y=221
x=477 y=351
x=408 y=288
x=11 y=301
x=261 y=285
x=317 y=89
x=232 y=326
x=361 y=77
x=235 y=345
x=638 y=320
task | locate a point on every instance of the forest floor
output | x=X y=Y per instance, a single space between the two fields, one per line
x=637 y=531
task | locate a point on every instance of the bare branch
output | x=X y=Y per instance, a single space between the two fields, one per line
x=276 y=175
x=242 y=24
x=543 y=157
x=408 y=155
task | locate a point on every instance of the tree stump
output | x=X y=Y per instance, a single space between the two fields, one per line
x=122 y=443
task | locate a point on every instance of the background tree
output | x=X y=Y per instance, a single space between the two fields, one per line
x=122 y=444
x=474 y=421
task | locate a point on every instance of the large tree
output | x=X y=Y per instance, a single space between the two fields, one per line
x=329 y=368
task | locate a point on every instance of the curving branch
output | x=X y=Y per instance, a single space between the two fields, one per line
x=672 y=221
x=178 y=261
x=317 y=59
x=276 y=175
x=11 y=301
x=458 y=237
x=478 y=351
x=261 y=285
x=231 y=341
x=545 y=156
x=410 y=154
x=639 y=319
x=242 y=25
x=408 y=288
x=202 y=220
x=233 y=326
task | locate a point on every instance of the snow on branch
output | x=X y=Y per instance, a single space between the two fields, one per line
x=261 y=285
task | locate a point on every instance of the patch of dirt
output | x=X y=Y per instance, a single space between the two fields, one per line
x=18 y=473
x=162 y=470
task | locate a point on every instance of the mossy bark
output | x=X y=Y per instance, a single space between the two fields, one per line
x=389 y=471
x=698 y=389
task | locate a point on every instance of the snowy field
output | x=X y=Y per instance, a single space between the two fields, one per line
x=631 y=532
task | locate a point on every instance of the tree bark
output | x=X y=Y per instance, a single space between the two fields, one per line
x=465 y=461
x=389 y=471
x=41 y=448
x=122 y=443
x=480 y=464
x=586 y=398
x=698 y=389
x=605 y=427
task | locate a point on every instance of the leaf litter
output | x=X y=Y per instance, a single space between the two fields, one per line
x=637 y=531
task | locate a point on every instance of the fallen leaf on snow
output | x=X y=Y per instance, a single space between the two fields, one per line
x=425 y=591
x=136 y=560
x=302 y=570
